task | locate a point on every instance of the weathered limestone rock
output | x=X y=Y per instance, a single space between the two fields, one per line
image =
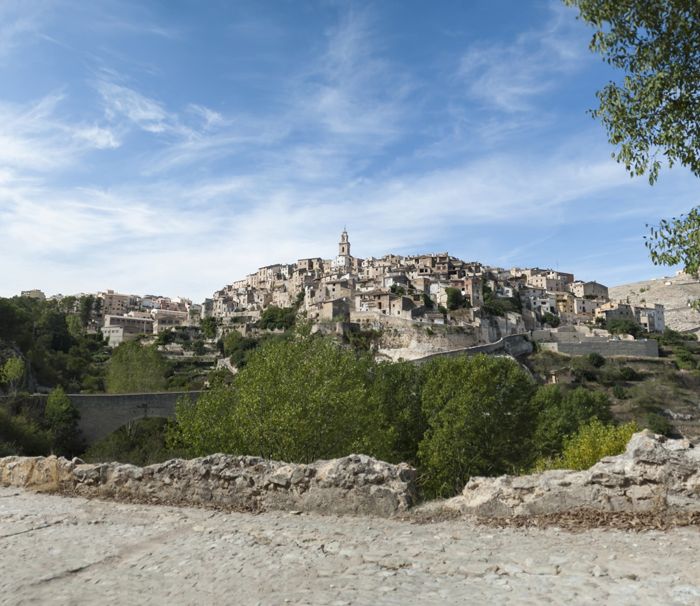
x=352 y=484
x=653 y=473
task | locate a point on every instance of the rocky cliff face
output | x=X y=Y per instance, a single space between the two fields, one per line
x=352 y=484
x=653 y=473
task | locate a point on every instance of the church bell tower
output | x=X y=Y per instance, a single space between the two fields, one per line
x=344 y=245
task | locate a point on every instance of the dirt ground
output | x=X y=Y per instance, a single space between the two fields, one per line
x=61 y=550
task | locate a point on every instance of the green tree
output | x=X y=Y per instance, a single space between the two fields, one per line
x=135 y=368
x=621 y=326
x=141 y=442
x=396 y=390
x=62 y=418
x=551 y=320
x=20 y=435
x=86 y=308
x=655 y=108
x=455 y=298
x=676 y=241
x=12 y=373
x=479 y=420
x=208 y=326
x=238 y=348
x=296 y=400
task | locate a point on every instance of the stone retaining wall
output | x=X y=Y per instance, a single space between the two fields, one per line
x=355 y=484
x=643 y=349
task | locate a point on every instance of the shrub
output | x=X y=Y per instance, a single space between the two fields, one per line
x=627 y=373
x=238 y=348
x=20 y=435
x=396 y=390
x=141 y=442
x=625 y=327
x=455 y=298
x=590 y=444
x=619 y=392
x=280 y=318
x=560 y=414
x=596 y=359
x=551 y=320
x=684 y=359
x=659 y=424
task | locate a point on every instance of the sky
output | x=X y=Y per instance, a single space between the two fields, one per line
x=173 y=146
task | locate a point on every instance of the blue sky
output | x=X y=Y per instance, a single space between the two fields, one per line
x=173 y=146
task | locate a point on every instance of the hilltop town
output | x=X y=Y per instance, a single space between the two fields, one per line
x=480 y=303
x=420 y=303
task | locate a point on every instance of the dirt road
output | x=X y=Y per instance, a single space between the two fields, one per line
x=59 y=550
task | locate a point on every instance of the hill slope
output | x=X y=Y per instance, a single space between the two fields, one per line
x=673 y=293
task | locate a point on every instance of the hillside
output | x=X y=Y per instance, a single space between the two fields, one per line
x=673 y=293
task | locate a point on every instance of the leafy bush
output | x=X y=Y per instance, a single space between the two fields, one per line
x=551 y=320
x=619 y=392
x=627 y=373
x=672 y=337
x=625 y=327
x=659 y=424
x=141 y=442
x=590 y=444
x=479 y=419
x=455 y=299
x=684 y=359
x=20 y=435
x=596 y=359
x=560 y=414
x=278 y=318
x=396 y=390
x=238 y=348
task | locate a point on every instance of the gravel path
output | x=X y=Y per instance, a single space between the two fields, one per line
x=59 y=550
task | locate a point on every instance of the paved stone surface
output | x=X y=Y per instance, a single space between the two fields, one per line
x=60 y=550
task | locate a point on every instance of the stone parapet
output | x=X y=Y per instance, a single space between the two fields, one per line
x=356 y=484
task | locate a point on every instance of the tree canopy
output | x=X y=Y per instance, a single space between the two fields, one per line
x=655 y=108
x=480 y=421
x=298 y=400
x=654 y=111
x=135 y=368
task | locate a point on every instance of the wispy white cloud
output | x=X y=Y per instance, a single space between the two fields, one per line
x=509 y=76
x=34 y=137
x=146 y=113
x=351 y=90
x=18 y=22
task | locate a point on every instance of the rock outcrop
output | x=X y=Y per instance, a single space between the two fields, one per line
x=654 y=473
x=353 y=484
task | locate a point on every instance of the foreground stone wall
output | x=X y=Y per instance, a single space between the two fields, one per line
x=354 y=484
x=654 y=473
